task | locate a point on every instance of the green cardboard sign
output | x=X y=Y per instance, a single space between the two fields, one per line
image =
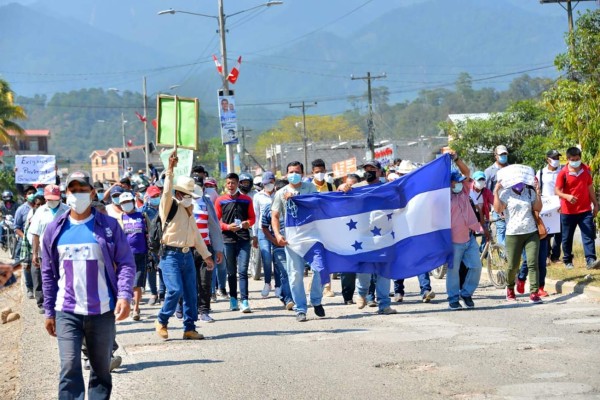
x=184 y=125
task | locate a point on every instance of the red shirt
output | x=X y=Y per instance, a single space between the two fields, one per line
x=576 y=184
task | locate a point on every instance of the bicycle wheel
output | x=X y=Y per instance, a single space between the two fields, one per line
x=255 y=264
x=496 y=265
x=439 y=272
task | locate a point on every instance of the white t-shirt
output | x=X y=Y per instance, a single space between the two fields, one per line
x=477 y=198
x=519 y=211
x=43 y=216
x=547 y=180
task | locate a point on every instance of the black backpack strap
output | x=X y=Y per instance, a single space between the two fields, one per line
x=172 y=212
x=541 y=180
x=329 y=187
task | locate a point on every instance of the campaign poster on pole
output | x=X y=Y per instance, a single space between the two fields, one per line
x=35 y=169
x=177 y=117
x=228 y=118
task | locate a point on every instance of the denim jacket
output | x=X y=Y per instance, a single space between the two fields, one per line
x=115 y=249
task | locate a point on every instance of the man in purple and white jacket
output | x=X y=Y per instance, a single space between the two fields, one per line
x=87 y=275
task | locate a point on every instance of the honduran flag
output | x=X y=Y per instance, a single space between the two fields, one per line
x=398 y=229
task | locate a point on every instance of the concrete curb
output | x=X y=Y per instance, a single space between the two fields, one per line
x=572 y=287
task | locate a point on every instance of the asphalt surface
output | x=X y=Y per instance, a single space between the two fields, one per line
x=495 y=351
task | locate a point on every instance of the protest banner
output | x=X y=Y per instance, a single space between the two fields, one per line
x=343 y=168
x=177 y=118
x=35 y=169
x=228 y=118
x=184 y=164
x=550 y=215
x=511 y=175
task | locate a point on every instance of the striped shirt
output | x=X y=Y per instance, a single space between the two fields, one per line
x=83 y=284
x=201 y=217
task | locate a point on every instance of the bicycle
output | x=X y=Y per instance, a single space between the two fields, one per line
x=494 y=257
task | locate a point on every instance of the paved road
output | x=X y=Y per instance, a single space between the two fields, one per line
x=496 y=351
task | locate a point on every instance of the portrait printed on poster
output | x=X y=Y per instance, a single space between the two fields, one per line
x=228 y=120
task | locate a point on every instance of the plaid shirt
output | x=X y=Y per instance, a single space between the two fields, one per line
x=25 y=245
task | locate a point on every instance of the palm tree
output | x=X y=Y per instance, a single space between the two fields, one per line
x=9 y=112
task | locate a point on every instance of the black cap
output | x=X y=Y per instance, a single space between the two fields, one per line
x=552 y=154
x=82 y=177
x=373 y=163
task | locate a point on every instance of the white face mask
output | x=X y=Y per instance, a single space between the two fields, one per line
x=269 y=187
x=53 y=203
x=480 y=184
x=186 y=201
x=320 y=177
x=127 y=207
x=79 y=202
x=554 y=163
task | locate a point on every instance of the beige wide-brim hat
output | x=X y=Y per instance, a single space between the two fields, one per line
x=185 y=184
x=405 y=167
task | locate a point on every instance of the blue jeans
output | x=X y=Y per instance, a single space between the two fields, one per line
x=542 y=263
x=280 y=261
x=179 y=274
x=295 y=271
x=237 y=258
x=424 y=284
x=266 y=254
x=500 y=228
x=467 y=253
x=570 y=222
x=382 y=288
x=99 y=333
x=219 y=277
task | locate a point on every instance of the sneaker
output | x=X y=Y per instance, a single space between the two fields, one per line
x=179 y=314
x=455 y=306
x=290 y=305
x=510 y=294
x=86 y=365
x=41 y=310
x=29 y=294
x=387 y=311
x=349 y=302
x=301 y=317
x=542 y=293
x=468 y=300
x=115 y=362
x=520 y=286
x=233 y=304
x=266 y=290
x=398 y=298
x=213 y=297
x=372 y=303
x=277 y=292
x=136 y=315
x=327 y=292
x=534 y=298
x=593 y=264
x=153 y=300
x=221 y=293
x=362 y=302
x=246 y=307
x=192 y=335
x=428 y=296
x=569 y=265
x=161 y=330
x=319 y=310
x=206 y=318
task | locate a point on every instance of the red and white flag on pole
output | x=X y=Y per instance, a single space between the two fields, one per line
x=218 y=65
x=141 y=117
x=235 y=72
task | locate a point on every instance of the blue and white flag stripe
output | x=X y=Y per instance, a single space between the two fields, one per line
x=399 y=229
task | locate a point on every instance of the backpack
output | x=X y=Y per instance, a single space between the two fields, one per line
x=156 y=229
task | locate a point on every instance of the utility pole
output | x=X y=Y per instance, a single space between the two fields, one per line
x=370 y=126
x=243 y=157
x=123 y=122
x=569 y=8
x=145 y=121
x=304 y=106
x=225 y=83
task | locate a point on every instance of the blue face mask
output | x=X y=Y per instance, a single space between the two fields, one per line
x=503 y=159
x=458 y=187
x=154 y=201
x=575 y=164
x=294 y=178
x=115 y=200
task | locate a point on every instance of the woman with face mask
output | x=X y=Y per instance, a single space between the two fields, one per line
x=135 y=225
x=518 y=204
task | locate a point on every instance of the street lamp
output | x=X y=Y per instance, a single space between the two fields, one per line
x=221 y=19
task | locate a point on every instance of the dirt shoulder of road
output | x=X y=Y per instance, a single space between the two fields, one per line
x=578 y=275
x=10 y=337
